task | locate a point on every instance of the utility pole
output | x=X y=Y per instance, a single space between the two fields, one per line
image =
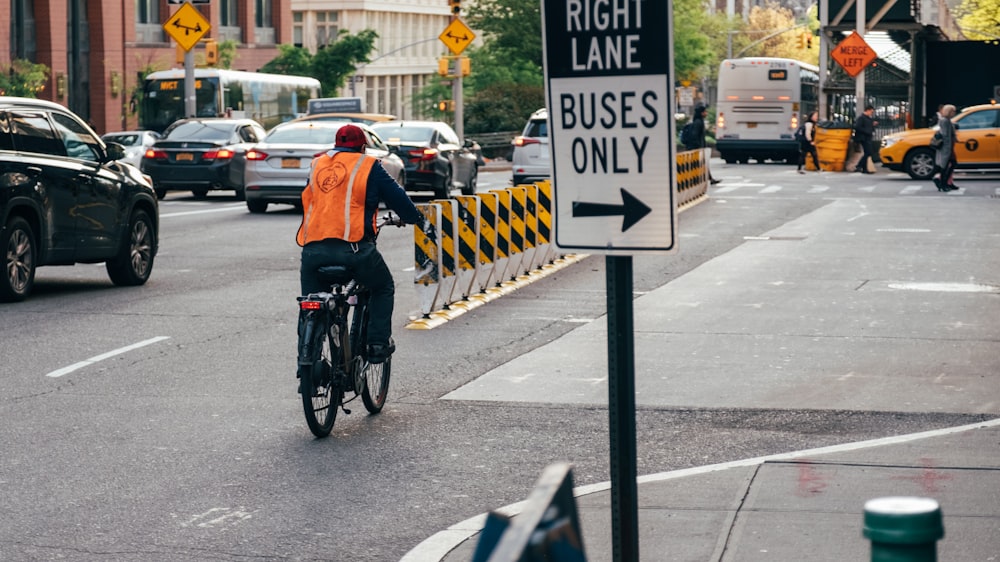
x=456 y=85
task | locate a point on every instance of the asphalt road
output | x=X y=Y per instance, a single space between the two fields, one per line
x=193 y=446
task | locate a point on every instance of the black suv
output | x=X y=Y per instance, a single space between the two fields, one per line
x=65 y=199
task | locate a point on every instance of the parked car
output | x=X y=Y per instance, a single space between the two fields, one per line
x=65 y=199
x=978 y=146
x=366 y=118
x=531 y=161
x=135 y=143
x=433 y=156
x=201 y=154
x=278 y=168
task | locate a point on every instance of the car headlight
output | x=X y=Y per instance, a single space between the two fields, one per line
x=889 y=141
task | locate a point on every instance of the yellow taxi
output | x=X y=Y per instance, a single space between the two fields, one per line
x=978 y=146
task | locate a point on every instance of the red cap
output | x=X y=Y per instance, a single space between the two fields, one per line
x=350 y=136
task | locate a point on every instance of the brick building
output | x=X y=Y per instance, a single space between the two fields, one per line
x=97 y=51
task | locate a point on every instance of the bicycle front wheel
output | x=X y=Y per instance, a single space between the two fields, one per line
x=376 y=385
x=320 y=387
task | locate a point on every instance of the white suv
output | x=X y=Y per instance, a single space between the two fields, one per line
x=531 y=150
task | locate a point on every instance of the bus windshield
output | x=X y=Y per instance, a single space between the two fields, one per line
x=164 y=101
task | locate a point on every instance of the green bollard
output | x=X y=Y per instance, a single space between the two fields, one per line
x=903 y=529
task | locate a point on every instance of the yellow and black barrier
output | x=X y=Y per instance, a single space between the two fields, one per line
x=489 y=244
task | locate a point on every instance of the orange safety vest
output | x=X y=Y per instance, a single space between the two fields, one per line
x=333 y=204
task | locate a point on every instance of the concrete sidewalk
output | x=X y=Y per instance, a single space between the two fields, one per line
x=795 y=506
x=874 y=305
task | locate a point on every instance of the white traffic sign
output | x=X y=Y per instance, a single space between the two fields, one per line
x=609 y=86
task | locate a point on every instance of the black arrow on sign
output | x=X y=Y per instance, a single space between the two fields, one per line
x=458 y=39
x=187 y=28
x=631 y=208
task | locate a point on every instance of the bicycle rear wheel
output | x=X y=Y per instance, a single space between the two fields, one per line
x=376 y=385
x=319 y=386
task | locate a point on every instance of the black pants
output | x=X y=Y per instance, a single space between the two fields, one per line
x=808 y=148
x=866 y=148
x=369 y=269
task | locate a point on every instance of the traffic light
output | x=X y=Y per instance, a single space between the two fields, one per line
x=446 y=105
x=443 y=64
x=809 y=41
x=211 y=53
x=465 y=65
x=801 y=41
x=456 y=6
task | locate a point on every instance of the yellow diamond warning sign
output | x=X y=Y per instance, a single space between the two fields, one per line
x=457 y=36
x=187 y=26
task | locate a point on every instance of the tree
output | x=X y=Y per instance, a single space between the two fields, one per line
x=227 y=53
x=692 y=48
x=331 y=65
x=338 y=60
x=291 y=61
x=766 y=24
x=22 y=78
x=979 y=20
x=512 y=29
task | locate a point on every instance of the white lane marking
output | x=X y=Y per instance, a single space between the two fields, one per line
x=103 y=356
x=770 y=189
x=434 y=548
x=910 y=189
x=819 y=189
x=202 y=212
x=726 y=188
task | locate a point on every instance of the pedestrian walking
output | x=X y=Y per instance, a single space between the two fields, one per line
x=807 y=141
x=945 y=160
x=696 y=140
x=864 y=132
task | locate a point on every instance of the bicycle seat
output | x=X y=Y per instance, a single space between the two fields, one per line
x=335 y=274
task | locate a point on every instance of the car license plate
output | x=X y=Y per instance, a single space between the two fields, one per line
x=289 y=162
x=184 y=156
x=751 y=125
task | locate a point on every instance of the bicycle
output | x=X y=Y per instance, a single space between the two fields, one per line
x=333 y=349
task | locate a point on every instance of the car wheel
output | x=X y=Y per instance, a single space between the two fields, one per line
x=919 y=163
x=518 y=180
x=18 y=241
x=200 y=193
x=470 y=186
x=241 y=195
x=257 y=206
x=134 y=261
x=160 y=192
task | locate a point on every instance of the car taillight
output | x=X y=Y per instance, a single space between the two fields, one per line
x=310 y=305
x=423 y=154
x=155 y=154
x=220 y=154
x=521 y=141
x=256 y=155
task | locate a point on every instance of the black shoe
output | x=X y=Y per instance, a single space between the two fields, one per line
x=951 y=187
x=714 y=181
x=937 y=182
x=380 y=352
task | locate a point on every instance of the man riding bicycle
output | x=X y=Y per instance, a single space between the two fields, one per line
x=339 y=209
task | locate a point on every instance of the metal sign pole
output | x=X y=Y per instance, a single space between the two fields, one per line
x=621 y=410
x=189 y=98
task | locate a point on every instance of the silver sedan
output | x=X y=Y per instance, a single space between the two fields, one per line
x=278 y=167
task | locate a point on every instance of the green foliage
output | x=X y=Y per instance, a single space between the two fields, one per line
x=227 y=53
x=331 y=65
x=334 y=63
x=979 y=20
x=512 y=28
x=502 y=107
x=692 y=47
x=22 y=78
x=291 y=61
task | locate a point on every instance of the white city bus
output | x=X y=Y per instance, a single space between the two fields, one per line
x=267 y=98
x=760 y=104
